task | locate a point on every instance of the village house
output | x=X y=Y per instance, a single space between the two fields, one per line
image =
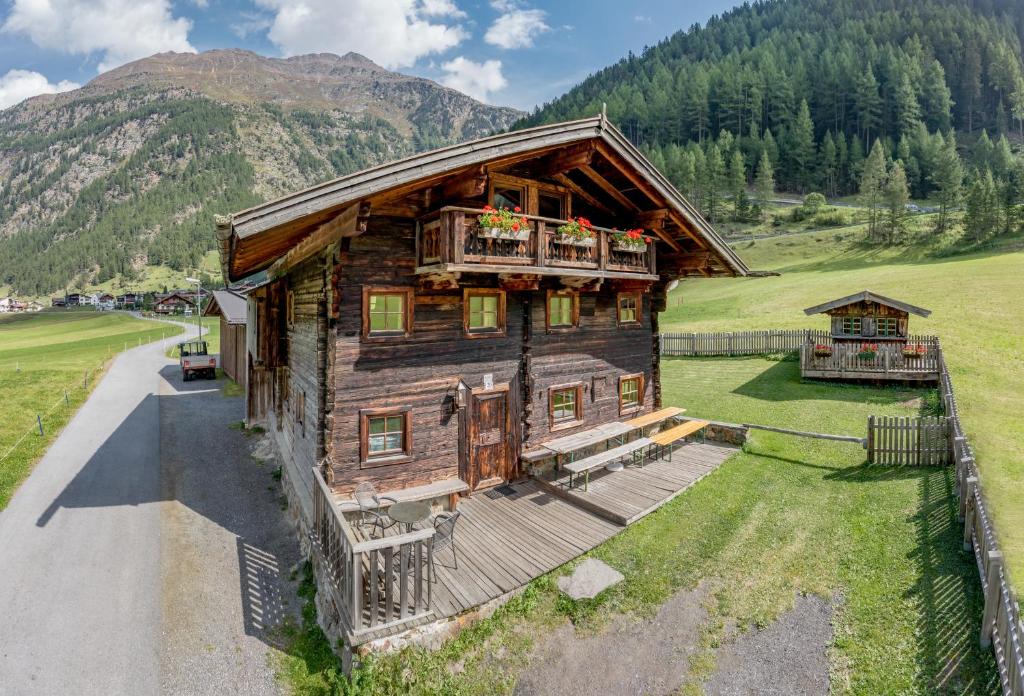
x=173 y=303
x=232 y=308
x=7 y=305
x=128 y=300
x=430 y=324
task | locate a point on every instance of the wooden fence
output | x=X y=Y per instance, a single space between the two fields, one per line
x=901 y=441
x=377 y=583
x=739 y=342
x=1001 y=626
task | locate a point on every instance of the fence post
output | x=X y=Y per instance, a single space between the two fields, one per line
x=969 y=513
x=67 y=401
x=730 y=342
x=992 y=596
x=85 y=380
x=39 y=421
x=871 y=439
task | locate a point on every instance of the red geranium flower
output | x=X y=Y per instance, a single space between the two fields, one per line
x=517 y=209
x=515 y=226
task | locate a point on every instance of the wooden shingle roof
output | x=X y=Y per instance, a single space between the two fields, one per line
x=251 y=240
x=868 y=296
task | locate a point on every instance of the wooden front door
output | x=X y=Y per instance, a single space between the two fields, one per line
x=488 y=439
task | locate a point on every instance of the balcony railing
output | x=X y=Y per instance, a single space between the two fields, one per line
x=825 y=357
x=451 y=237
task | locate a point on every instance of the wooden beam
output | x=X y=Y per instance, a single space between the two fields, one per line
x=560 y=162
x=685 y=227
x=609 y=188
x=652 y=219
x=582 y=193
x=350 y=222
x=473 y=184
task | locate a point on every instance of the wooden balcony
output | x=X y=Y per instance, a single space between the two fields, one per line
x=842 y=359
x=449 y=241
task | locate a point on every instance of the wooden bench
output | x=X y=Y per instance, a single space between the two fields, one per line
x=656 y=417
x=665 y=439
x=583 y=466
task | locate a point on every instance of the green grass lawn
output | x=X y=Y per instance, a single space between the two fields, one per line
x=41 y=355
x=785 y=516
x=977 y=311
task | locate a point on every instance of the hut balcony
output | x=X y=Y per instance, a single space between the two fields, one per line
x=909 y=358
x=450 y=241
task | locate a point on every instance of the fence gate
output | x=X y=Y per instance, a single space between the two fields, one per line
x=905 y=441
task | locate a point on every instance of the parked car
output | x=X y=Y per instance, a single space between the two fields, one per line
x=196 y=361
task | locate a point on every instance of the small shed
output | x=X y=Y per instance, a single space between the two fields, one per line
x=232 y=309
x=868 y=315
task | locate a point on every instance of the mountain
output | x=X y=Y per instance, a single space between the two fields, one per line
x=813 y=84
x=128 y=171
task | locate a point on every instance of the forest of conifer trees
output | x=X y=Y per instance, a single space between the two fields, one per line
x=881 y=98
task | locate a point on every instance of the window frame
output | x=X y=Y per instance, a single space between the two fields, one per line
x=637 y=296
x=368 y=460
x=895 y=322
x=639 y=377
x=470 y=332
x=854 y=321
x=407 y=294
x=532 y=189
x=574 y=310
x=563 y=422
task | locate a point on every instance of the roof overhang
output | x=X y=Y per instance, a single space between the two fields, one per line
x=228 y=304
x=252 y=240
x=868 y=296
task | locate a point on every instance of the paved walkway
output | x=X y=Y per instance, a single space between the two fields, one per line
x=147 y=553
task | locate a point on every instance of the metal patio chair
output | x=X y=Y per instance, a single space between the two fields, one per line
x=444 y=537
x=370 y=514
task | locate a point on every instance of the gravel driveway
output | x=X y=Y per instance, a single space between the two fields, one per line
x=148 y=552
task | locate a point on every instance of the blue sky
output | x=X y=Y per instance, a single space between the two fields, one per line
x=511 y=52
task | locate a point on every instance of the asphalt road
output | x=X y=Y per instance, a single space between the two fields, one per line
x=147 y=553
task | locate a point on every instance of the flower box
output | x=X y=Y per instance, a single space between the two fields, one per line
x=630 y=247
x=569 y=240
x=822 y=351
x=868 y=351
x=498 y=233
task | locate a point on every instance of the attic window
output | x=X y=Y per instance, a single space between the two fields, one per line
x=851 y=326
x=886 y=326
x=552 y=205
x=511 y=197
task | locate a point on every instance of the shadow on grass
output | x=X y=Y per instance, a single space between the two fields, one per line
x=781 y=382
x=948 y=596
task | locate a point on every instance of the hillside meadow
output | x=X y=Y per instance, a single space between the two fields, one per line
x=977 y=302
x=41 y=356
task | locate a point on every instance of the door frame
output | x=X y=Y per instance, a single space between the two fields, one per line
x=470 y=435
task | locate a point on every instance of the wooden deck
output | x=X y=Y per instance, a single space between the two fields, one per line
x=623 y=497
x=504 y=541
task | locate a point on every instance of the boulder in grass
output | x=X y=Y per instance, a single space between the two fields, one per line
x=590 y=578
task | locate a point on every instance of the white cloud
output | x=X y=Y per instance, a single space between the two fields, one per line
x=516 y=27
x=478 y=80
x=123 y=30
x=250 y=23
x=18 y=85
x=394 y=33
x=643 y=19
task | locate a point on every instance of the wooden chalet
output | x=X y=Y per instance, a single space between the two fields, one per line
x=399 y=342
x=868 y=338
x=232 y=308
x=172 y=303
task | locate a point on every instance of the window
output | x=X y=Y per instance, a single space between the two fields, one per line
x=385 y=436
x=886 y=326
x=484 y=312
x=563 y=309
x=629 y=308
x=387 y=312
x=851 y=326
x=631 y=393
x=553 y=205
x=565 y=405
x=510 y=197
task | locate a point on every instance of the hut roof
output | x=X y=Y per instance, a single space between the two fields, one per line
x=253 y=239
x=868 y=296
x=229 y=304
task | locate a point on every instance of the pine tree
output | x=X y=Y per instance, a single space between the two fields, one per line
x=868 y=104
x=908 y=111
x=829 y=162
x=896 y=198
x=800 y=150
x=872 y=184
x=765 y=183
x=981 y=209
x=948 y=177
x=715 y=178
x=737 y=181
x=936 y=100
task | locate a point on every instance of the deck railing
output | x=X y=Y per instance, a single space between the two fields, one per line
x=452 y=236
x=375 y=584
x=839 y=358
x=738 y=342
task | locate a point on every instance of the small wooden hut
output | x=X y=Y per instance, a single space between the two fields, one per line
x=868 y=338
x=232 y=308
